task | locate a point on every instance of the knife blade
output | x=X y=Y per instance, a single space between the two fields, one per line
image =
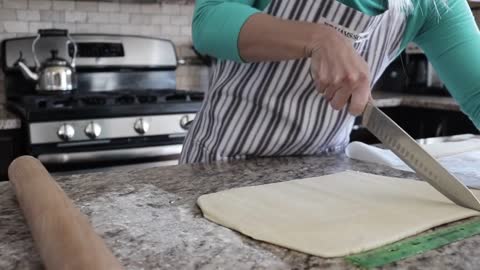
x=407 y=149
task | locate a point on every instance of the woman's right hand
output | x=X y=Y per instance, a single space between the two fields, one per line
x=339 y=72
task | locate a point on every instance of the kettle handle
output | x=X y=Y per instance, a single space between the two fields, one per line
x=54 y=33
x=75 y=49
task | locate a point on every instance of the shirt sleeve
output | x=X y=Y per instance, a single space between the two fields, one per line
x=216 y=26
x=451 y=40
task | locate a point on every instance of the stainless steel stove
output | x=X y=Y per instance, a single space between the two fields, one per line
x=125 y=108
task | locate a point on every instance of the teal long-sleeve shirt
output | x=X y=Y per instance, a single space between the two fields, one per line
x=448 y=35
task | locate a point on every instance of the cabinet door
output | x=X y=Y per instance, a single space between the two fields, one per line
x=6 y=155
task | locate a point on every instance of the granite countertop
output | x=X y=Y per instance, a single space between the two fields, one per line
x=8 y=120
x=383 y=99
x=149 y=218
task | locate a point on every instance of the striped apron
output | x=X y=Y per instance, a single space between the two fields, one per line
x=272 y=108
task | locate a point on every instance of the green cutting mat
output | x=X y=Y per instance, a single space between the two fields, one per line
x=415 y=245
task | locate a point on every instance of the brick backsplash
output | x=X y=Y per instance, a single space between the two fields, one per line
x=169 y=20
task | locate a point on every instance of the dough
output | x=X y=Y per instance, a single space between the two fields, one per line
x=333 y=215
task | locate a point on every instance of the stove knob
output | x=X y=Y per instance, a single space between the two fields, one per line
x=141 y=126
x=93 y=130
x=66 y=132
x=185 y=122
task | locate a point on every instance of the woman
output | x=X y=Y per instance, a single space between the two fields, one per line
x=290 y=75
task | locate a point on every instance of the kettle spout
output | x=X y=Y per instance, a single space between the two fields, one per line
x=27 y=72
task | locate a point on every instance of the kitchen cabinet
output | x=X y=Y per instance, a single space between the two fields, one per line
x=474 y=4
x=421 y=123
x=11 y=146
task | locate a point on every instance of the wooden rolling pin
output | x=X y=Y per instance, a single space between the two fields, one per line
x=62 y=234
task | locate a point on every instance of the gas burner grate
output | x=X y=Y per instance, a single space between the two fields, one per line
x=117 y=99
x=147 y=99
x=177 y=97
x=42 y=104
x=94 y=101
x=125 y=100
x=65 y=103
x=59 y=102
x=196 y=96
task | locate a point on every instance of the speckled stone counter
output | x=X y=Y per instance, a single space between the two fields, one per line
x=8 y=120
x=149 y=218
x=384 y=100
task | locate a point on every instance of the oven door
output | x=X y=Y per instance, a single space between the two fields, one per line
x=164 y=152
x=74 y=156
x=110 y=160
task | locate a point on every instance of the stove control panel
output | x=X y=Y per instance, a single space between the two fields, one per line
x=175 y=125
x=95 y=51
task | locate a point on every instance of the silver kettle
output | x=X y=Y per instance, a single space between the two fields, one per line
x=54 y=74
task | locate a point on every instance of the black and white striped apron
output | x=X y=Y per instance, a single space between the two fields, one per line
x=273 y=108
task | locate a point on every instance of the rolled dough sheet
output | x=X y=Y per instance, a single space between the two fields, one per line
x=334 y=215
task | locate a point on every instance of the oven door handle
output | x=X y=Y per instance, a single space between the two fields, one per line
x=111 y=155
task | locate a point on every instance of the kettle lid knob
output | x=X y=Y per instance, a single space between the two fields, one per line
x=54 y=60
x=54 y=53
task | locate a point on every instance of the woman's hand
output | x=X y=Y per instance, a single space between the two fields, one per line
x=340 y=74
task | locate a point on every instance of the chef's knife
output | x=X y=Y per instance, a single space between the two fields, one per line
x=407 y=149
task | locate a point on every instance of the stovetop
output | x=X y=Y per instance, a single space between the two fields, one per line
x=83 y=105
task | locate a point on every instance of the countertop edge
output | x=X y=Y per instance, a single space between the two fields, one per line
x=386 y=100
